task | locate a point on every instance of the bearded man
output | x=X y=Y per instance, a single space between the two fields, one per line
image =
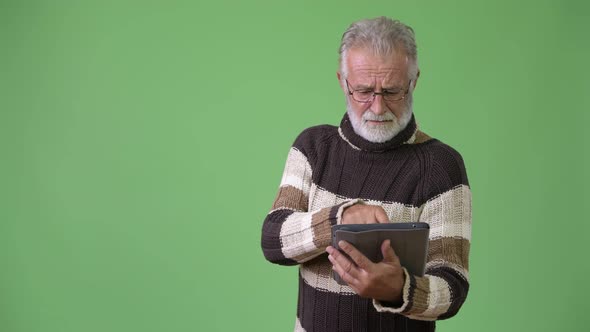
x=376 y=167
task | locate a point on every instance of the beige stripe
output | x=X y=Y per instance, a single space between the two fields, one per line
x=296 y=235
x=431 y=299
x=297 y=171
x=298 y=327
x=449 y=214
x=439 y=299
x=290 y=197
x=321 y=198
x=451 y=250
x=318 y=274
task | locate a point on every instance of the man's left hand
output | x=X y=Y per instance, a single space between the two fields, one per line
x=382 y=281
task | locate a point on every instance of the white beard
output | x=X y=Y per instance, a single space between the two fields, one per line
x=382 y=132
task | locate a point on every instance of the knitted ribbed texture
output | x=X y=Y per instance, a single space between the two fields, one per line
x=414 y=178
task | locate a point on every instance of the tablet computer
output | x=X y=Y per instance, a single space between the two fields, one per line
x=409 y=240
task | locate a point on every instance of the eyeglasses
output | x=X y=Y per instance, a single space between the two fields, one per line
x=368 y=95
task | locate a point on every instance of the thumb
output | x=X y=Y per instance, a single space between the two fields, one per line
x=389 y=255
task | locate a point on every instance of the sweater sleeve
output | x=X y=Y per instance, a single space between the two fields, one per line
x=290 y=233
x=440 y=293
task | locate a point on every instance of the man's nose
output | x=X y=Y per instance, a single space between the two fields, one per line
x=378 y=106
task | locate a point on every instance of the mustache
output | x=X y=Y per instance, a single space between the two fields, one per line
x=370 y=116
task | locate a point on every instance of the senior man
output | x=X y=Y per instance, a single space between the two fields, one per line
x=376 y=167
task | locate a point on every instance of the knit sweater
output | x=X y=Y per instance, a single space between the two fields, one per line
x=414 y=178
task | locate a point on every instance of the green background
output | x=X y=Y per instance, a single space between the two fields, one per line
x=142 y=144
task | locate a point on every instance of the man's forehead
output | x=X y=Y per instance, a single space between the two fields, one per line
x=366 y=65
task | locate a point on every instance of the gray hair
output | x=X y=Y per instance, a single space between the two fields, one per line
x=381 y=35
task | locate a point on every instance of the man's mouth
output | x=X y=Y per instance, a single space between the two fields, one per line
x=377 y=122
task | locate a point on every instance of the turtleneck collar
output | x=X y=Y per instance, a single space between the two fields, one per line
x=407 y=135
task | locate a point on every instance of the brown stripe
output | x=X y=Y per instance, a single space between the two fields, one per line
x=290 y=197
x=453 y=250
x=420 y=296
x=421 y=137
x=322 y=229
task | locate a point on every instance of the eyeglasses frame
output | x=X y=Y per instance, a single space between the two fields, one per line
x=382 y=94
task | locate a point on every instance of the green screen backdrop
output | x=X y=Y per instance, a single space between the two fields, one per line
x=142 y=144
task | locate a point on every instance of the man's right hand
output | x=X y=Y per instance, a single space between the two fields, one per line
x=364 y=214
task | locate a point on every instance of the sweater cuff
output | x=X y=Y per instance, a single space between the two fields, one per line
x=382 y=306
x=338 y=210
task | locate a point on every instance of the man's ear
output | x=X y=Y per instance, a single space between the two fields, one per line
x=339 y=76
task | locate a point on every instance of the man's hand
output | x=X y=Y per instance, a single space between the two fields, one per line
x=364 y=214
x=382 y=281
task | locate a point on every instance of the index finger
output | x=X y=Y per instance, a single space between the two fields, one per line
x=381 y=216
x=357 y=257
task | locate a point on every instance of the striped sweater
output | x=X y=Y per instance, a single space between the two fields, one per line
x=414 y=178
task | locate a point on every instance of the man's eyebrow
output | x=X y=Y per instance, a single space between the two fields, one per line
x=395 y=87
x=363 y=86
